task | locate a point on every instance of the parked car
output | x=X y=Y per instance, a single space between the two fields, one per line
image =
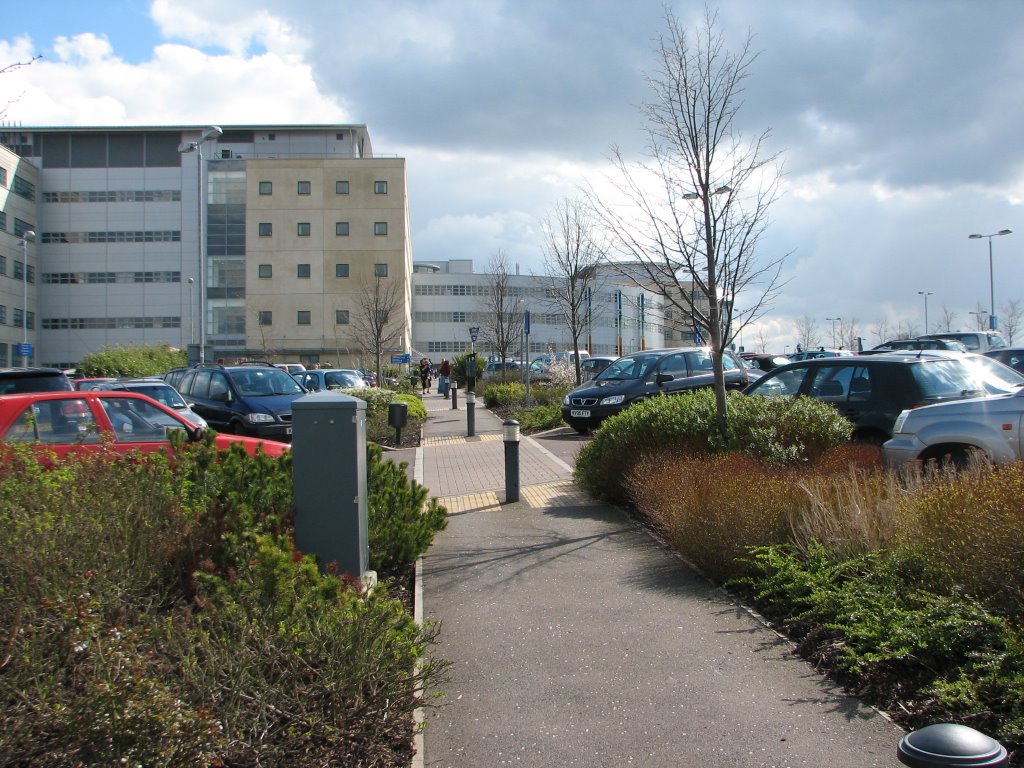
x=290 y=367
x=1011 y=356
x=250 y=399
x=812 y=354
x=872 y=390
x=766 y=361
x=509 y=370
x=85 y=384
x=74 y=422
x=14 y=380
x=592 y=366
x=156 y=389
x=918 y=343
x=989 y=425
x=645 y=374
x=330 y=378
x=975 y=341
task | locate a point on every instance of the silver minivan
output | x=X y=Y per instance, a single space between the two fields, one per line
x=975 y=341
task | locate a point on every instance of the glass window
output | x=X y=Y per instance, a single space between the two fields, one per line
x=303 y=317
x=266 y=229
x=266 y=187
x=341 y=228
x=54 y=421
x=303 y=229
x=302 y=271
x=266 y=317
x=380 y=270
x=380 y=187
x=674 y=366
x=831 y=383
x=137 y=421
x=783 y=384
x=305 y=187
x=341 y=270
x=341 y=317
x=266 y=270
x=341 y=187
x=380 y=228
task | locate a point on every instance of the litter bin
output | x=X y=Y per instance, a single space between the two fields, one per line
x=398 y=417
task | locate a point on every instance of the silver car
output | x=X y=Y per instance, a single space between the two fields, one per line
x=158 y=390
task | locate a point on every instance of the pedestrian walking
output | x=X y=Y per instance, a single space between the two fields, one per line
x=444 y=377
x=424 y=376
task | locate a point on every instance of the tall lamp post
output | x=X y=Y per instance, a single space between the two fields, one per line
x=191 y=313
x=212 y=132
x=23 y=242
x=981 y=318
x=834 y=321
x=926 y=294
x=991 y=282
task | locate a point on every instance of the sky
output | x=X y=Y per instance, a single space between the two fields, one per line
x=900 y=125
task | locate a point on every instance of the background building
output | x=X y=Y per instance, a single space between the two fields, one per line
x=19 y=182
x=296 y=223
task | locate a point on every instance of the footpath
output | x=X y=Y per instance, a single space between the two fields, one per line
x=576 y=639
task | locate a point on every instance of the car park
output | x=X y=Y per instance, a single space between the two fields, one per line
x=502 y=370
x=872 y=390
x=290 y=367
x=1011 y=356
x=642 y=375
x=321 y=379
x=765 y=361
x=72 y=422
x=85 y=384
x=155 y=389
x=812 y=354
x=975 y=341
x=250 y=399
x=918 y=343
x=14 y=380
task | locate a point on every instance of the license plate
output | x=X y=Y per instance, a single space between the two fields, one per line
x=287 y=430
x=580 y=414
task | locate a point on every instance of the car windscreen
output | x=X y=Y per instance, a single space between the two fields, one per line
x=18 y=382
x=264 y=382
x=998 y=378
x=629 y=368
x=162 y=393
x=940 y=379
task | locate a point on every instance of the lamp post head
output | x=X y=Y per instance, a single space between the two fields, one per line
x=975 y=237
x=188 y=146
x=1005 y=232
x=212 y=132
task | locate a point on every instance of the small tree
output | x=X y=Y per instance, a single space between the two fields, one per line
x=375 y=322
x=807 y=334
x=503 y=325
x=1010 y=315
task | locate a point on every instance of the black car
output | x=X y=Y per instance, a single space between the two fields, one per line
x=1011 y=356
x=644 y=374
x=18 y=380
x=253 y=399
x=765 y=361
x=871 y=390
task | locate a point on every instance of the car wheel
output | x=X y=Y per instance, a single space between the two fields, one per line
x=581 y=430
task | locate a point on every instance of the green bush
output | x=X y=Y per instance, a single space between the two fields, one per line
x=778 y=431
x=504 y=395
x=537 y=418
x=134 y=361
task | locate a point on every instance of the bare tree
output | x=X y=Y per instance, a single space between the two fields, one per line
x=880 y=331
x=847 y=334
x=1010 y=316
x=907 y=329
x=762 y=339
x=378 y=319
x=572 y=255
x=11 y=68
x=807 y=334
x=261 y=328
x=503 y=327
x=697 y=207
x=945 y=324
x=980 y=315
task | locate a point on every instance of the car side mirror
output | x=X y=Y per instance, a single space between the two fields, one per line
x=661 y=378
x=222 y=397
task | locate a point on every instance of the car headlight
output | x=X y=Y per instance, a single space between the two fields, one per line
x=613 y=400
x=565 y=400
x=259 y=418
x=900 y=420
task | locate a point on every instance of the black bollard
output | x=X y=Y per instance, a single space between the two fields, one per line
x=470 y=414
x=455 y=395
x=510 y=434
x=950 y=744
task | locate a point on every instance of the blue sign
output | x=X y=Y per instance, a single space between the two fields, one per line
x=23 y=350
x=526 y=322
x=399 y=359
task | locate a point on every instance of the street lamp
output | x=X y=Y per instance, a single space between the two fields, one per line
x=23 y=242
x=212 y=132
x=834 y=321
x=191 y=313
x=991 y=281
x=981 y=318
x=926 y=294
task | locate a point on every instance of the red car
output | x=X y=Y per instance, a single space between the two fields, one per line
x=67 y=422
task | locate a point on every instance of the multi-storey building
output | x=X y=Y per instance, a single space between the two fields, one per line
x=19 y=182
x=297 y=224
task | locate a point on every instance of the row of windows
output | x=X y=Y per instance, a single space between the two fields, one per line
x=19 y=270
x=115 y=196
x=20 y=226
x=340 y=188
x=537 y=318
x=139 y=236
x=108 y=323
x=304 y=229
x=72 y=278
x=16 y=317
x=24 y=188
x=302 y=271
x=303 y=317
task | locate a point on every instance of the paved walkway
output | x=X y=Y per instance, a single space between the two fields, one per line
x=577 y=640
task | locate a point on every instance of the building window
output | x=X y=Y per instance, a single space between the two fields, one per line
x=380 y=187
x=24 y=188
x=305 y=188
x=341 y=317
x=30 y=273
x=3 y=314
x=341 y=270
x=3 y=221
x=302 y=271
x=303 y=317
x=341 y=187
x=341 y=228
x=266 y=187
x=19 y=269
x=3 y=265
x=266 y=271
x=266 y=229
x=266 y=317
x=380 y=227
x=303 y=229
x=3 y=178
x=380 y=270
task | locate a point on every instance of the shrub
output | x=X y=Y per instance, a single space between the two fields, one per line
x=779 y=432
x=142 y=360
x=504 y=395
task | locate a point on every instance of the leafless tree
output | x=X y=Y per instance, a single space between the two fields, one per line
x=503 y=327
x=377 y=320
x=572 y=257
x=697 y=207
x=880 y=331
x=945 y=324
x=807 y=334
x=261 y=328
x=847 y=334
x=907 y=329
x=12 y=68
x=762 y=339
x=1010 y=316
x=980 y=315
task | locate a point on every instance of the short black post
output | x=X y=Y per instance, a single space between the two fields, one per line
x=398 y=417
x=510 y=434
x=950 y=744
x=470 y=414
x=455 y=395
